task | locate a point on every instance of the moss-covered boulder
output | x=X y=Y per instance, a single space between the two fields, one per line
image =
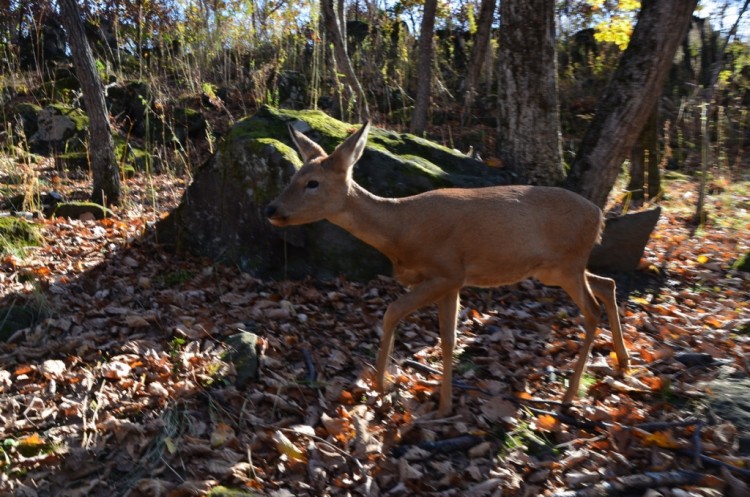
x=221 y=214
x=59 y=128
x=81 y=210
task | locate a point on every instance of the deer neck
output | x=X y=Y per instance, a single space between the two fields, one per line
x=368 y=217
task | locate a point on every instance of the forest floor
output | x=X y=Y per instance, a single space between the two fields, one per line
x=122 y=387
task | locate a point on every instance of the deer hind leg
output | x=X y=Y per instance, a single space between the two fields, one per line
x=604 y=290
x=576 y=285
x=425 y=293
x=447 y=314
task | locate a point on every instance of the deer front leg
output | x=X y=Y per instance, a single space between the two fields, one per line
x=447 y=314
x=421 y=295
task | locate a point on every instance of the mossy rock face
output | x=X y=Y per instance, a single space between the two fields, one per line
x=221 y=215
x=27 y=113
x=59 y=128
x=188 y=123
x=74 y=210
x=17 y=233
x=131 y=158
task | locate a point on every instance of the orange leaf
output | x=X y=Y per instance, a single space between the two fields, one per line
x=713 y=321
x=546 y=422
x=33 y=440
x=22 y=369
x=653 y=382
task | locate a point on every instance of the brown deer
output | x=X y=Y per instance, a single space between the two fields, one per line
x=442 y=240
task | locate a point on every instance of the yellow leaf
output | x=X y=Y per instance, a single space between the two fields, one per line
x=663 y=439
x=171 y=446
x=702 y=259
x=286 y=447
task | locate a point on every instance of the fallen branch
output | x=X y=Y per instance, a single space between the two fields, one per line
x=631 y=483
x=445 y=446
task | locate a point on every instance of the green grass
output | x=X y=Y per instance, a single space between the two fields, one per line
x=17 y=234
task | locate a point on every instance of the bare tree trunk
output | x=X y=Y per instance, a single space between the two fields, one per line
x=424 y=68
x=630 y=96
x=342 y=59
x=106 y=175
x=529 y=125
x=478 y=55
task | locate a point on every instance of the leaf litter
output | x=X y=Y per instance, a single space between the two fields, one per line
x=122 y=386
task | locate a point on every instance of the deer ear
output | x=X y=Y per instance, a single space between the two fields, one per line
x=307 y=148
x=351 y=149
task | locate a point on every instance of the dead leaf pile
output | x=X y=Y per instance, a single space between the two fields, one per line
x=122 y=385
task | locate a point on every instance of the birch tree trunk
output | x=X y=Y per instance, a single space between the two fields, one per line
x=630 y=97
x=106 y=175
x=529 y=121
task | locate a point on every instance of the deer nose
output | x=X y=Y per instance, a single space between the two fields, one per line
x=270 y=210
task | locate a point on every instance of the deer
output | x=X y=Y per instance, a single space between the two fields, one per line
x=442 y=240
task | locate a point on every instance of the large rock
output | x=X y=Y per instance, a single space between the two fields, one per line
x=58 y=128
x=221 y=214
x=623 y=241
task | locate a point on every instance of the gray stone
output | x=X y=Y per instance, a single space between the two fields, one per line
x=243 y=353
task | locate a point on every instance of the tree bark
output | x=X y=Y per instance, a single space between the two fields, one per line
x=342 y=59
x=529 y=125
x=424 y=68
x=630 y=96
x=478 y=55
x=106 y=174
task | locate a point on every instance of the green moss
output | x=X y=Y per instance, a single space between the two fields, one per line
x=131 y=158
x=79 y=118
x=16 y=234
x=743 y=263
x=75 y=210
x=425 y=166
x=77 y=161
x=221 y=491
x=269 y=121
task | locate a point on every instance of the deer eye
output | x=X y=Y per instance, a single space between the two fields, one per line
x=312 y=184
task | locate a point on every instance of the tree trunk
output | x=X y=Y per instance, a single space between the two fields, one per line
x=478 y=56
x=106 y=175
x=342 y=59
x=424 y=68
x=529 y=125
x=630 y=96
